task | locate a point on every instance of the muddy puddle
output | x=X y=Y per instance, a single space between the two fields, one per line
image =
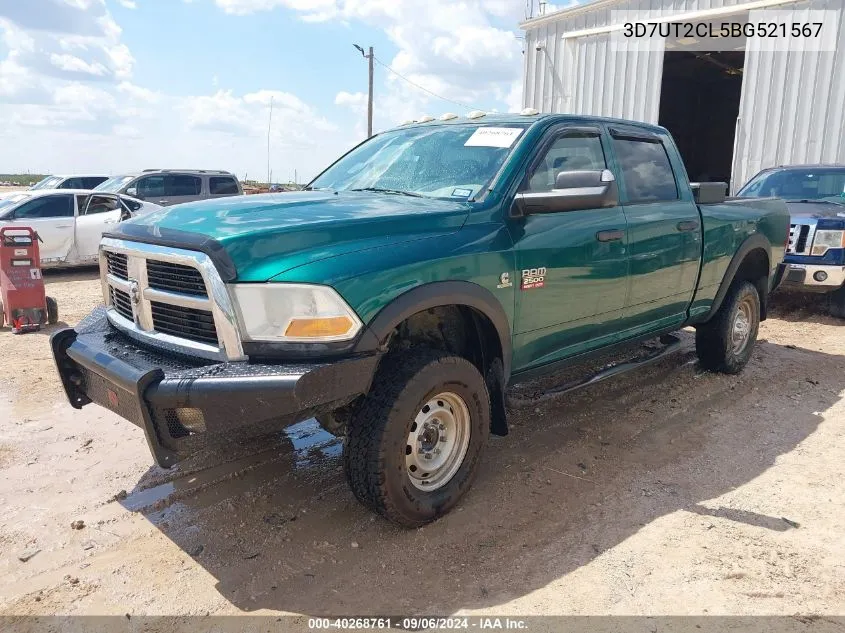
x=303 y=452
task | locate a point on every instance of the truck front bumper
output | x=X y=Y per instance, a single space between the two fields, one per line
x=183 y=404
x=813 y=278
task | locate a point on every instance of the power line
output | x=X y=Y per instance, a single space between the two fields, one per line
x=419 y=87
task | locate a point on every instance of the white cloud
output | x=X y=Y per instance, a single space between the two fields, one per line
x=74 y=64
x=356 y=100
x=127 y=4
x=465 y=51
x=137 y=93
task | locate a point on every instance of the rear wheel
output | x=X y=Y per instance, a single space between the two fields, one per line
x=725 y=343
x=414 y=445
x=836 y=303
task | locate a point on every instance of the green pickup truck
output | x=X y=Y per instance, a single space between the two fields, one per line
x=418 y=277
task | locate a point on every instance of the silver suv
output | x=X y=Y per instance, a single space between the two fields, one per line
x=173 y=186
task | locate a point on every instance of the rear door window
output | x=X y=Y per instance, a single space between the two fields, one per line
x=222 y=186
x=646 y=170
x=182 y=185
x=102 y=204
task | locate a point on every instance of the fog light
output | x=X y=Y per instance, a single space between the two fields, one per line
x=191 y=419
x=820 y=275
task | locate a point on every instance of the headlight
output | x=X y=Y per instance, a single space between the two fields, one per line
x=825 y=240
x=294 y=313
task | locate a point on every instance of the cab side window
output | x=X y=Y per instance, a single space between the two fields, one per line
x=46 y=207
x=646 y=170
x=222 y=185
x=72 y=183
x=92 y=181
x=179 y=185
x=571 y=152
x=151 y=186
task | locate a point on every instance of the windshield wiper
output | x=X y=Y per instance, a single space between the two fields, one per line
x=395 y=191
x=818 y=201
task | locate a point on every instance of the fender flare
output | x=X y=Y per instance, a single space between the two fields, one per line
x=443 y=293
x=752 y=242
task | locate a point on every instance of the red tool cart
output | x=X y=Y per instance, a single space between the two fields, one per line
x=23 y=303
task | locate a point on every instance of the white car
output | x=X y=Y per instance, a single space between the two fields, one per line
x=70 y=222
x=73 y=181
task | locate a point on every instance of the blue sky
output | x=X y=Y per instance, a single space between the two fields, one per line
x=120 y=85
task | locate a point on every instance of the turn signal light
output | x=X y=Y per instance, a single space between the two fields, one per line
x=316 y=328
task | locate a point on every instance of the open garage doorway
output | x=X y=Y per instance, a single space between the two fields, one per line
x=699 y=105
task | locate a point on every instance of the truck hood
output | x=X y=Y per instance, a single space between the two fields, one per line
x=268 y=234
x=815 y=210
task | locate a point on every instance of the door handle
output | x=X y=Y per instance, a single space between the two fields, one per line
x=688 y=225
x=610 y=236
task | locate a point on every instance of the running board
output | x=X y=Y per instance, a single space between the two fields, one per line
x=671 y=344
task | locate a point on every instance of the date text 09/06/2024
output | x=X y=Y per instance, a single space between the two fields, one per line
x=417 y=623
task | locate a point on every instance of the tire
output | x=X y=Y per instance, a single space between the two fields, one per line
x=420 y=402
x=725 y=343
x=836 y=303
x=52 y=311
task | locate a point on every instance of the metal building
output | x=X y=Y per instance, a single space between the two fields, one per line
x=732 y=112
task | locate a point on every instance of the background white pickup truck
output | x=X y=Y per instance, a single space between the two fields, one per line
x=70 y=222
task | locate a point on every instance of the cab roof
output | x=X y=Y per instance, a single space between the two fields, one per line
x=482 y=118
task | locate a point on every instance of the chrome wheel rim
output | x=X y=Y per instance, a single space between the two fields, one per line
x=438 y=441
x=741 y=326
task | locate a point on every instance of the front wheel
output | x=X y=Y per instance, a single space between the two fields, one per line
x=413 y=446
x=725 y=343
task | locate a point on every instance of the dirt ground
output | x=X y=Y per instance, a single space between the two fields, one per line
x=668 y=491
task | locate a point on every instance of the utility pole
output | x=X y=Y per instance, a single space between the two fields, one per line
x=369 y=57
x=269 y=125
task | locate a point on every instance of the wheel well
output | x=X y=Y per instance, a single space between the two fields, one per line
x=456 y=329
x=466 y=332
x=755 y=268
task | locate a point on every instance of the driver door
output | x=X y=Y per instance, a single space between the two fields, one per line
x=573 y=265
x=52 y=217
x=98 y=214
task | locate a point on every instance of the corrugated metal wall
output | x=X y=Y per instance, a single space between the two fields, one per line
x=793 y=105
x=792 y=108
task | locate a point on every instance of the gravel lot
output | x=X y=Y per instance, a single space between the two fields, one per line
x=668 y=491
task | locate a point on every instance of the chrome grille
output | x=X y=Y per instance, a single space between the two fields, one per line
x=800 y=238
x=120 y=301
x=175 y=278
x=169 y=298
x=117 y=265
x=196 y=325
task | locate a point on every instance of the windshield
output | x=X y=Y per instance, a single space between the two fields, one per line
x=806 y=183
x=449 y=161
x=9 y=202
x=49 y=182
x=113 y=185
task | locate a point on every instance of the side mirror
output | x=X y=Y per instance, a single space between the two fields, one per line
x=132 y=192
x=573 y=191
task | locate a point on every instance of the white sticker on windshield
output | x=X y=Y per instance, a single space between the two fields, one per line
x=493 y=137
